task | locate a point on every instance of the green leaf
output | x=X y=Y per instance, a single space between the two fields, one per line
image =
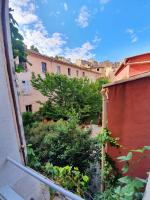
x=141 y=150
x=85 y=178
x=138 y=183
x=125 y=179
x=128 y=190
x=125 y=158
x=117 y=190
x=147 y=147
x=121 y=158
x=142 y=180
x=125 y=168
x=129 y=156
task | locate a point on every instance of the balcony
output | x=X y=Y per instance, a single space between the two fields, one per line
x=6 y=193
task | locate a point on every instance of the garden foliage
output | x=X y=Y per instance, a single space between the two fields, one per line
x=66 y=95
x=62 y=143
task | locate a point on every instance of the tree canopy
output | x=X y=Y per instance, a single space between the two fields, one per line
x=18 y=46
x=34 y=48
x=67 y=95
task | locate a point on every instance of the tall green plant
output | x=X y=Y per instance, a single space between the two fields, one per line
x=18 y=46
x=109 y=172
x=67 y=94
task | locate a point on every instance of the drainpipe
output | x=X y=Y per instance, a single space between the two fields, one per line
x=104 y=125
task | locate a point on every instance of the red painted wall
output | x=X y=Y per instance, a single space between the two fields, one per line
x=139 y=58
x=128 y=110
x=139 y=69
x=123 y=74
x=127 y=69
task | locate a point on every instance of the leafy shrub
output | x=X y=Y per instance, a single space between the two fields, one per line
x=62 y=143
x=33 y=161
x=68 y=177
x=126 y=188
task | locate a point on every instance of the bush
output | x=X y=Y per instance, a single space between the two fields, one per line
x=68 y=177
x=62 y=143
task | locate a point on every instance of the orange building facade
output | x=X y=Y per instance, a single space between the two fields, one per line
x=128 y=111
x=133 y=66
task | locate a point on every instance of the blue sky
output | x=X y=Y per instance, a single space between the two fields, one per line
x=99 y=29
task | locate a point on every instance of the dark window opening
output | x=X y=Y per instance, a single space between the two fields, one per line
x=83 y=74
x=69 y=71
x=97 y=69
x=58 y=70
x=44 y=67
x=28 y=108
x=77 y=73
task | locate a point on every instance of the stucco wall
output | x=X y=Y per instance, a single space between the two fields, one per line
x=128 y=109
x=139 y=58
x=34 y=96
x=134 y=66
x=139 y=69
x=123 y=74
x=52 y=67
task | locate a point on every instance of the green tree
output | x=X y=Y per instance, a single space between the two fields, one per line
x=66 y=95
x=18 y=46
x=34 y=48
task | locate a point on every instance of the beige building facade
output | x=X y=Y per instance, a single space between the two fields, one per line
x=106 y=68
x=41 y=64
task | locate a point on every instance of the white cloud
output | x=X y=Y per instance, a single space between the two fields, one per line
x=83 y=52
x=103 y=3
x=83 y=17
x=58 y=12
x=130 y=31
x=134 y=39
x=47 y=45
x=132 y=34
x=24 y=11
x=65 y=6
x=35 y=33
x=97 y=39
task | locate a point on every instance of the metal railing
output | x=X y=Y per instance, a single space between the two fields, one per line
x=45 y=180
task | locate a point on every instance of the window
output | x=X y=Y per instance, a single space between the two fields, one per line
x=83 y=74
x=29 y=108
x=44 y=68
x=69 y=71
x=58 y=70
x=77 y=73
x=97 y=69
x=26 y=86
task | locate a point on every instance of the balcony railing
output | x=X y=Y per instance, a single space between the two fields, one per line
x=45 y=180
